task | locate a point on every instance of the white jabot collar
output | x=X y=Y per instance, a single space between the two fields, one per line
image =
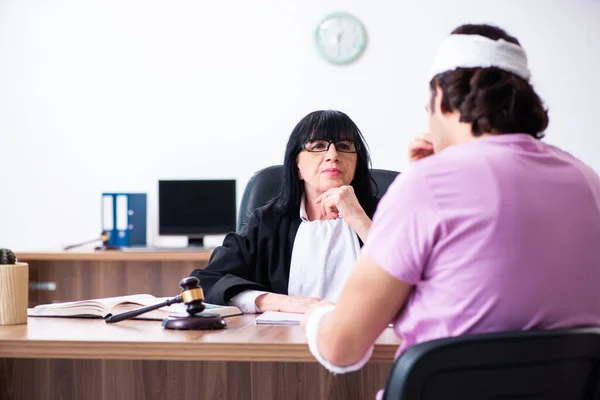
x=323 y=256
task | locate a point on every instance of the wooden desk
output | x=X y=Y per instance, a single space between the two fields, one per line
x=81 y=275
x=52 y=358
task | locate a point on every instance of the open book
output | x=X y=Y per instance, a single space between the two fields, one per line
x=101 y=308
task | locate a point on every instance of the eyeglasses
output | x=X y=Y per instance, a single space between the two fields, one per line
x=322 y=146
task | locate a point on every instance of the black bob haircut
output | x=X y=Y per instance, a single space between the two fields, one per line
x=330 y=125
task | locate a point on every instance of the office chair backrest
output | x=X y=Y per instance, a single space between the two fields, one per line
x=548 y=365
x=264 y=186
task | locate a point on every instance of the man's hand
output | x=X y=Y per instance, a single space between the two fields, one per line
x=420 y=147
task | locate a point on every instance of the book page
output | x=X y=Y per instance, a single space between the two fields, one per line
x=96 y=307
x=141 y=300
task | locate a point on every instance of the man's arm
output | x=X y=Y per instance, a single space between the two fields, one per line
x=369 y=302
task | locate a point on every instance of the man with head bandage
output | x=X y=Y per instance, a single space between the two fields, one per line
x=490 y=230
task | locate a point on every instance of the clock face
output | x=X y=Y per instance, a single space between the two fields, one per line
x=340 y=38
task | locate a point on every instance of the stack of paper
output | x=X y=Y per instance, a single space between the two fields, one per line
x=279 y=318
x=283 y=318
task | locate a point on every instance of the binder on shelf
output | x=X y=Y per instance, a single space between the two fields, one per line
x=124 y=218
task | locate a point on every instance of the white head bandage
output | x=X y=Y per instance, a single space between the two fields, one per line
x=475 y=51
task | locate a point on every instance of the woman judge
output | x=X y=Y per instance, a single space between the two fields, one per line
x=300 y=247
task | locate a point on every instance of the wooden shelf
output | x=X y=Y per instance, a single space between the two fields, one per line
x=114 y=255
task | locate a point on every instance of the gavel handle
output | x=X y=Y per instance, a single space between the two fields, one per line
x=139 y=311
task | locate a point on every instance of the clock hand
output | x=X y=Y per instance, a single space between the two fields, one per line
x=338 y=39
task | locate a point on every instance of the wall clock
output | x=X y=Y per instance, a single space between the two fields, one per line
x=340 y=38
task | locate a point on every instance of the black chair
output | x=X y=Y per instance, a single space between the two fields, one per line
x=264 y=186
x=548 y=365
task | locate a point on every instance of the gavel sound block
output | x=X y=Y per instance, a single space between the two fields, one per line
x=192 y=296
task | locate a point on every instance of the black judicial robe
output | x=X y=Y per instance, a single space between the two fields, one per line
x=256 y=258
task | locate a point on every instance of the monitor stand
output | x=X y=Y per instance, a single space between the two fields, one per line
x=196 y=243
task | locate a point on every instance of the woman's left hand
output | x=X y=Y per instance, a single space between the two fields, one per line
x=342 y=201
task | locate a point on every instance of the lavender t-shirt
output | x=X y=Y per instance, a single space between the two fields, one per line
x=498 y=233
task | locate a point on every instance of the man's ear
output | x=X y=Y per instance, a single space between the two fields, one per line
x=439 y=104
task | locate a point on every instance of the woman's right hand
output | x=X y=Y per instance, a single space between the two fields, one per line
x=284 y=303
x=420 y=147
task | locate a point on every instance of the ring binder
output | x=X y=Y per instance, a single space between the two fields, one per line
x=124 y=218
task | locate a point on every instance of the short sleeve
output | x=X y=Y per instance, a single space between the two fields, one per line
x=404 y=230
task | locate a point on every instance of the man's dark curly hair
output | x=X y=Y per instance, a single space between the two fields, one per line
x=495 y=101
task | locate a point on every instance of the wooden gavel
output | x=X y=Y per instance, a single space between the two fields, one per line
x=192 y=296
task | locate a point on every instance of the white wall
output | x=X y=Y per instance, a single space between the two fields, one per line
x=113 y=95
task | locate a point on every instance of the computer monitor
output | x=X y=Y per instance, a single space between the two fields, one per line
x=195 y=208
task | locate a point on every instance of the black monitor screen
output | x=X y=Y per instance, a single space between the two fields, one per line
x=196 y=207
